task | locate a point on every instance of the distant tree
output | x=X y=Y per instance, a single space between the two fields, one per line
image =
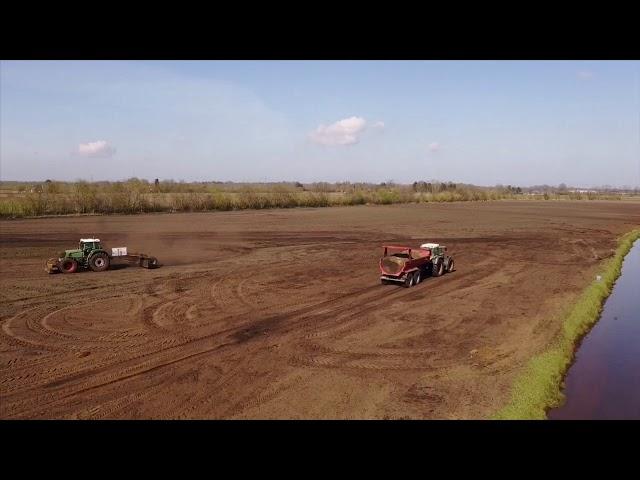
x=421 y=186
x=52 y=187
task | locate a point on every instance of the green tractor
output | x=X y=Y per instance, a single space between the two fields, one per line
x=91 y=255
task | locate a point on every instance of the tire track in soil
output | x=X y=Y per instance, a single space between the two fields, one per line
x=38 y=327
x=51 y=399
x=322 y=308
x=239 y=335
x=329 y=303
x=107 y=408
x=254 y=400
x=284 y=320
x=346 y=325
x=204 y=399
x=16 y=340
x=442 y=282
x=328 y=309
x=89 y=344
x=331 y=310
x=43 y=324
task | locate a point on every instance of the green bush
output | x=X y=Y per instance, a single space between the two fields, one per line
x=138 y=195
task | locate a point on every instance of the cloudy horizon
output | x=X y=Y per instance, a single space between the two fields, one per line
x=484 y=123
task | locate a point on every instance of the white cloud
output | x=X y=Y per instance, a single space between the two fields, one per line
x=99 y=148
x=434 y=147
x=343 y=132
x=378 y=125
x=585 y=75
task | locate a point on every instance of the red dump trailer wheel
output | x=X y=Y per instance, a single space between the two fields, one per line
x=408 y=281
x=69 y=266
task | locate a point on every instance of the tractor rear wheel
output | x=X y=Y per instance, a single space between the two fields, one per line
x=437 y=269
x=99 y=262
x=68 y=266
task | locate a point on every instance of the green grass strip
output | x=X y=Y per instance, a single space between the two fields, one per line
x=538 y=388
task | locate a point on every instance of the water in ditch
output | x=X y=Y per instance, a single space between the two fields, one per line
x=604 y=381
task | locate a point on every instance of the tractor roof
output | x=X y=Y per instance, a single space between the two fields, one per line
x=429 y=245
x=87 y=240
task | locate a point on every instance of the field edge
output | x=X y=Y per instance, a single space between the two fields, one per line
x=539 y=387
x=219 y=204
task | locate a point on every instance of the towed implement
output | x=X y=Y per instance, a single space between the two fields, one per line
x=408 y=266
x=91 y=255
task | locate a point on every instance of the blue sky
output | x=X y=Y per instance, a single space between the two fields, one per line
x=482 y=122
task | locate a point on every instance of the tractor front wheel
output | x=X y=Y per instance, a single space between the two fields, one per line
x=99 y=262
x=450 y=266
x=68 y=266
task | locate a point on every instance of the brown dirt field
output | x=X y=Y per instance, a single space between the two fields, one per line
x=280 y=313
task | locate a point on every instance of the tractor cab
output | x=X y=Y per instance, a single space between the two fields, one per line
x=89 y=244
x=435 y=248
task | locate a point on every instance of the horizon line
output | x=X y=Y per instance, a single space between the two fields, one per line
x=390 y=181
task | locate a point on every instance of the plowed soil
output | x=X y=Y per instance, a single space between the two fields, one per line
x=281 y=314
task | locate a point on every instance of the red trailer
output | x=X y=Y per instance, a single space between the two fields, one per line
x=408 y=265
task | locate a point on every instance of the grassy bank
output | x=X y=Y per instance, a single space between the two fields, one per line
x=539 y=386
x=140 y=196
